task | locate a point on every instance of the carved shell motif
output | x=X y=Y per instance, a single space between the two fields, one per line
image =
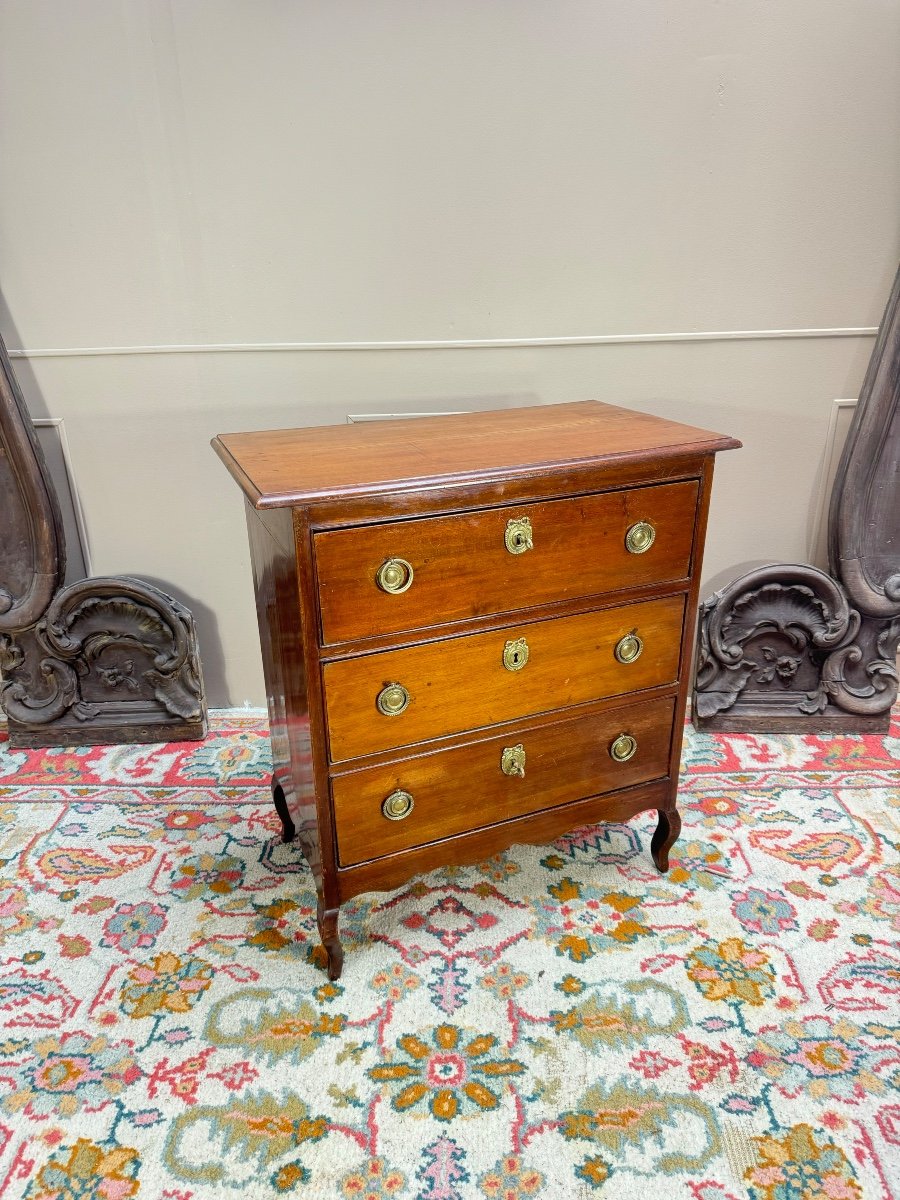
x=798 y=601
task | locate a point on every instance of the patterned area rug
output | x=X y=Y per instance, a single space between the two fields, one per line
x=558 y=1022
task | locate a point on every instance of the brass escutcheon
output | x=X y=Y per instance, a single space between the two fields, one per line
x=640 y=538
x=515 y=654
x=623 y=748
x=512 y=761
x=394 y=576
x=398 y=805
x=628 y=648
x=392 y=700
x=518 y=536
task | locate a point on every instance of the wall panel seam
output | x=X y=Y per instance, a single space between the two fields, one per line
x=601 y=339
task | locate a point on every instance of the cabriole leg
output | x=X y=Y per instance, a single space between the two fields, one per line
x=664 y=838
x=287 y=825
x=327 y=920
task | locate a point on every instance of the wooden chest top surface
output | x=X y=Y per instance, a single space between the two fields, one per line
x=284 y=467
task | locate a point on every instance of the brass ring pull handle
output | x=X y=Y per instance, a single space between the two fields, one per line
x=394 y=576
x=515 y=654
x=392 y=700
x=512 y=761
x=623 y=748
x=398 y=805
x=629 y=648
x=518 y=535
x=640 y=538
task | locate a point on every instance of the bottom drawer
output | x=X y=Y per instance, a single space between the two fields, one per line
x=382 y=810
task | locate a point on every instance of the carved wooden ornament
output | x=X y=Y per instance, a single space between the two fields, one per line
x=789 y=647
x=109 y=659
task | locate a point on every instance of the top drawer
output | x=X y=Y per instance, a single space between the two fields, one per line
x=501 y=559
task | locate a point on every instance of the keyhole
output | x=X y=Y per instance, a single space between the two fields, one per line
x=518 y=536
x=515 y=654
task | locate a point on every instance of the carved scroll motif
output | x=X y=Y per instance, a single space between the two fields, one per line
x=104 y=636
x=770 y=631
x=108 y=659
x=788 y=646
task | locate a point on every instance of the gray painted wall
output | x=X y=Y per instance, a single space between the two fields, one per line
x=208 y=206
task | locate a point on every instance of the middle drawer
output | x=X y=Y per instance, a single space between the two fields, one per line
x=400 y=697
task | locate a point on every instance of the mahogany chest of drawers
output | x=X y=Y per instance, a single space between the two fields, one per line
x=476 y=630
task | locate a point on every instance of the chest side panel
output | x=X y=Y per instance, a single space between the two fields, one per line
x=275 y=577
